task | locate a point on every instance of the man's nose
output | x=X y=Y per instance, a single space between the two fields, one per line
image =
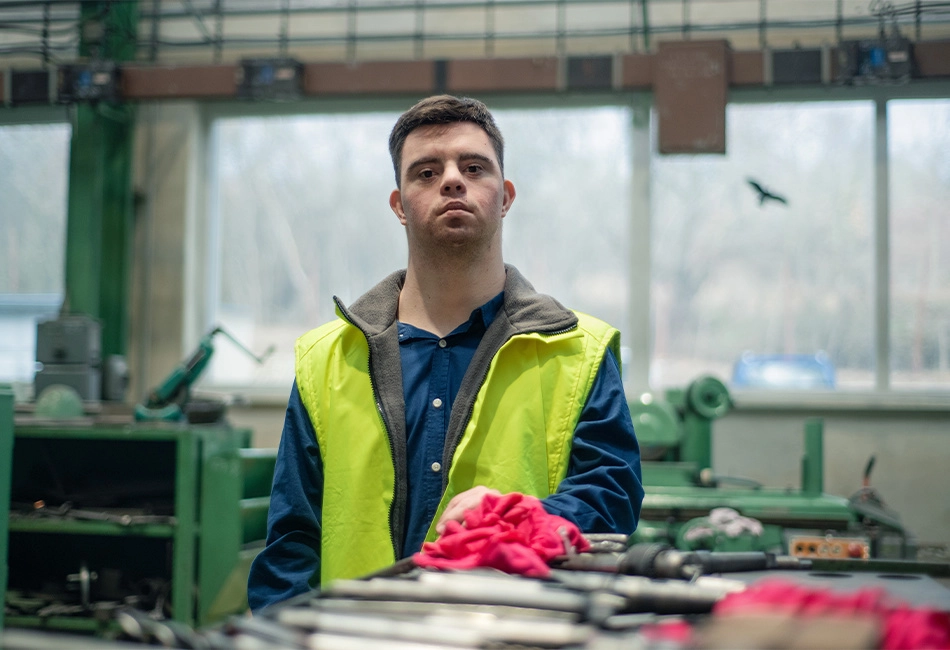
x=452 y=179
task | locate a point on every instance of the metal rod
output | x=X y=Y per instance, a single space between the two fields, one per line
x=882 y=265
x=199 y=20
x=646 y=25
x=351 y=30
x=637 y=375
x=839 y=21
x=685 y=29
x=419 y=37
x=490 y=29
x=46 y=33
x=153 y=40
x=561 y=39
x=218 y=30
x=284 y=26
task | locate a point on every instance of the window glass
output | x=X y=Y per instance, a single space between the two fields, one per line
x=769 y=288
x=303 y=214
x=34 y=163
x=919 y=154
x=567 y=231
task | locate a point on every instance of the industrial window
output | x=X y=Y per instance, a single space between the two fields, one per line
x=919 y=169
x=34 y=162
x=762 y=259
x=302 y=213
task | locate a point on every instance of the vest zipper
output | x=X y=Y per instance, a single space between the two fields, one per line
x=382 y=419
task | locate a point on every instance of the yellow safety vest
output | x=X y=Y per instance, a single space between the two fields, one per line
x=517 y=439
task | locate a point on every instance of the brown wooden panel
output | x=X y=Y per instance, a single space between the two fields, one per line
x=637 y=71
x=487 y=75
x=747 y=68
x=690 y=87
x=933 y=58
x=168 y=82
x=369 y=77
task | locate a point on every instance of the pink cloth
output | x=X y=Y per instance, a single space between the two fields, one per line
x=510 y=532
x=904 y=628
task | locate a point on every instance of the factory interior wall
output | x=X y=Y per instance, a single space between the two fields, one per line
x=170 y=292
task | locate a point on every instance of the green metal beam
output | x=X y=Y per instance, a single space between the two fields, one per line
x=100 y=207
x=813 y=461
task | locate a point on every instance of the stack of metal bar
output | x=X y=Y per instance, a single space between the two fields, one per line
x=611 y=597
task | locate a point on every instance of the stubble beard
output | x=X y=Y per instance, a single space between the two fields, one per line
x=452 y=247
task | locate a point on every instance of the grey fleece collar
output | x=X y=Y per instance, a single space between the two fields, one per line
x=526 y=309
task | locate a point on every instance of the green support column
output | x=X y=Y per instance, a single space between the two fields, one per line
x=100 y=208
x=813 y=460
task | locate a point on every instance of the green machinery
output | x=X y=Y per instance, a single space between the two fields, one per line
x=689 y=507
x=168 y=400
x=163 y=517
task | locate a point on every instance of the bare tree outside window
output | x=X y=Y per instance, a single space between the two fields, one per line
x=34 y=162
x=787 y=272
x=919 y=154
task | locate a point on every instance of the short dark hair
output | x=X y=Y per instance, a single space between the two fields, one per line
x=444 y=109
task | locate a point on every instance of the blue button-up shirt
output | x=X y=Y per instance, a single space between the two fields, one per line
x=601 y=493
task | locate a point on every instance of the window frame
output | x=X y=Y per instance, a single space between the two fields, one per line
x=639 y=267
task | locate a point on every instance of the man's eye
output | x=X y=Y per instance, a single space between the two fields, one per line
x=474 y=169
x=426 y=173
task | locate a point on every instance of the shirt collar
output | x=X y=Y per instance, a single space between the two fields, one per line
x=481 y=318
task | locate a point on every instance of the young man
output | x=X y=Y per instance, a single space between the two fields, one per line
x=448 y=380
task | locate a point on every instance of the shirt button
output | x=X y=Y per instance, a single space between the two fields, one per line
x=442 y=343
x=437 y=402
x=436 y=467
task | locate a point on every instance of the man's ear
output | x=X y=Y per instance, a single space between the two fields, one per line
x=508 y=198
x=395 y=202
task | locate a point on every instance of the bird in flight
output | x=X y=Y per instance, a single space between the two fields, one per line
x=766 y=194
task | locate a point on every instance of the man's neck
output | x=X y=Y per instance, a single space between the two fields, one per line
x=440 y=297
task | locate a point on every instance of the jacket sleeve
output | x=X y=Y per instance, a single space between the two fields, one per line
x=603 y=489
x=289 y=564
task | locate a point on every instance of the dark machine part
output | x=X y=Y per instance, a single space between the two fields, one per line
x=887 y=59
x=663 y=561
x=279 y=79
x=69 y=349
x=170 y=399
x=91 y=82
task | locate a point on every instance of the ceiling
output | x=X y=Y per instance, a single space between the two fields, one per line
x=34 y=33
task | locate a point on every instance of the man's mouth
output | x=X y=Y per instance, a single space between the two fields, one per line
x=455 y=205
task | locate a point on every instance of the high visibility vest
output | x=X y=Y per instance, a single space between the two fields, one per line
x=517 y=439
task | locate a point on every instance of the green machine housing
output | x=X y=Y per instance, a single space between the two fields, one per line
x=675 y=436
x=163 y=517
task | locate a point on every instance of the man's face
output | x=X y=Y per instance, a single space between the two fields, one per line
x=453 y=195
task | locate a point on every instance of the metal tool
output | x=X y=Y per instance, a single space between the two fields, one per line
x=662 y=561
